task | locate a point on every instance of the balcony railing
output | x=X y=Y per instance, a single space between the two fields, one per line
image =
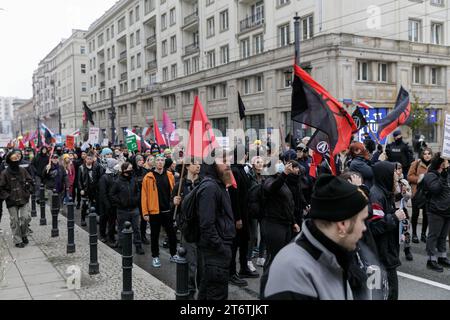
x=251 y=22
x=151 y=40
x=101 y=68
x=102 y=84
x=152 y=65
x=124 y=76
x=123 y=55
x=191 y=18
x=192 y=48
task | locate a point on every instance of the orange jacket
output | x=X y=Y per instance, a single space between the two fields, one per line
x=149 y=198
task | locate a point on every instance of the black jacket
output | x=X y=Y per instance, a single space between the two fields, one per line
x=104 y=187
x=362 y=166
x=239 y=197
x=217 y=226
x=55 y=178
x=438 y=193
x=398 y=151
x=87 y=183
x=383 y=223
x=279 y=202
x=16 y=187
x=125 y=194
x=40 y=162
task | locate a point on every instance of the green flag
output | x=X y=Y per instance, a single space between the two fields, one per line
x=132 y=143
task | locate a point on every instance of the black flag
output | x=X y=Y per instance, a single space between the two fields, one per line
x=88 y=114
x=241 y=107
x=359 y=120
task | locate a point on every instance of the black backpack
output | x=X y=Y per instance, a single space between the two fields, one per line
x=187 y=218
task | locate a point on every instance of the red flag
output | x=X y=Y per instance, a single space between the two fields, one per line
x=21 y=145
x=33 y=145
x=399 y=116
x=201 y=136
x=314 y=106
x=158 y=136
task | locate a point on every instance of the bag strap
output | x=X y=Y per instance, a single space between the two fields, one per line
x=417 y=165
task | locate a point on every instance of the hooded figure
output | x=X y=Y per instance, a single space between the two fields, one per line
x=41 y=161
x=106 y=210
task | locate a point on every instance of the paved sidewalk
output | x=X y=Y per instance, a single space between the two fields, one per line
x=38 y=272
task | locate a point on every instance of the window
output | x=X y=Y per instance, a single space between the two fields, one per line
x=415 y=30
x=245 y=48
x=173 y=100
x=113 y=52
x=195 y=64
x=363 y=71
x=137 y=12
x=132 y=40
x=83 y=69
x=131 y=17
x=223 y=90
x=212 y=93
x=246 y=84
x=287 y=80
x=211 y=59
x=208 y=2
x=100 y=40
x=187 y=67
x=173 y=44
x=108 y=54
x=436 y=33
x=109 y=73
x=83 y=87
x=258 y=41
x=147 y=6
x=114 y=72
x=121 y=25
x=283 y=35
x=112 y=31
x=165 y=74
x=164 y=48
x=283 y=2
x=138 y=37
x=139 y=82
x=82 y=50
x=382 y=72
x=138 y=60
x=133 y=63
x=173 y=71
x=307 y=27
x=224 y=54
x=163 y=1
x=133 y=87
x=164 y=21
x=172 y=15
x=439 y=3
x=224 y=24
x=416 y=75
x=434 y=77
x=221 y=125
x=186 y=97
x=259 y=84
x=210 y=27
x=255 y=122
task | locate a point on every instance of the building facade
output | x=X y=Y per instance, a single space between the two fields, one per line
x=156 y=55
x=24 y=117
x=60 y=85
x=6 y=116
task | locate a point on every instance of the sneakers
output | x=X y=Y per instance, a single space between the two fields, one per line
x=103 y=239
x=433 y=265
x=140 y=251
x=20 y=245
x=408 y=254
x=423 y=238
x=248 y=274
x=235 y=280
x=415 y=239
x=156 y=263
x=83 y=223
x=25 y=240
x=174 y=259
x=251 y=266
x=260 y=262
x=444 y=262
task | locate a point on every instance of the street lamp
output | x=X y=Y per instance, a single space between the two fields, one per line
x=52 y=82
x=112 y=116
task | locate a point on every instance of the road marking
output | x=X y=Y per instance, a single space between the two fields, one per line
x=423 y=280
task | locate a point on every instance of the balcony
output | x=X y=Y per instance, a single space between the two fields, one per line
x=152 y=87
x=152 y=65
x=101 y=68
x=123 y=56
x=124 y=76
x=102 y=85
x=191 y=19
x=151 y=41
x=252 y=22
x=192 y=48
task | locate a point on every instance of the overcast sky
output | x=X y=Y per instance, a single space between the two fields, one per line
x=30 y=29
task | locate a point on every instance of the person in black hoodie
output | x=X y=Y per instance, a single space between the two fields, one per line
x=384 y=221
x=88 y=176
x=217 y=229
x=39 y=163
x=139 y=173
x=108 y=213
x=125 y=196
x=16 y=186
x=401 y=152
x=55 y=178
x=438 y=208
x=78 y=162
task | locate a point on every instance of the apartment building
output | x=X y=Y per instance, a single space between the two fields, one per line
x=156 y=55
x=6 y=116
x=60 y=84
x=24 y=117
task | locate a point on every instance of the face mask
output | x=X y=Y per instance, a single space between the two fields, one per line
x=279 y=167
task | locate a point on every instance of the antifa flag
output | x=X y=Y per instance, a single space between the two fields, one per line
x=401 y=115
x=241 y=107
x=359 y=120
x=320 y=144
x=314 y=106
x=88 y=114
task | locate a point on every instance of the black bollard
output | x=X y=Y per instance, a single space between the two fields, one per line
x=70 y=226
x=43 y=221
x=127 y=262
x=94 y=267
x=182 y=292
x=33 y=205
x=55 y=212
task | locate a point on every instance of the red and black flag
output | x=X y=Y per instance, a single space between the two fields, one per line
x=241 y=107
x=359 y=120
x=88 y=114
x=314 y=106
x=320 y=144
x=401 y=115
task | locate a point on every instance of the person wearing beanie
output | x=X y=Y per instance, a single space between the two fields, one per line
x=316 y=265
x=140 y=172
x=107 y=212
x=384 y=221
x=399 y=151
x=16 y=187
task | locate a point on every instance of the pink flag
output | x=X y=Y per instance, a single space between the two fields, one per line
x=168 y=130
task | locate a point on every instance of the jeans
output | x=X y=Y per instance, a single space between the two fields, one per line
x=156 y=221
x=253 y=242
x=193 y=262
x=439 y=227
x=108 y=224
x=415 y=218
x=19 y=220
x=393 y=284
x=214 y=273
x=132 y=216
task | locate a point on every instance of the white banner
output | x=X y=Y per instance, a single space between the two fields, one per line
x=446 y=143
x=94 y=135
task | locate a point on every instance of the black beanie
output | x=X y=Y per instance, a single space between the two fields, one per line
x=335 y=199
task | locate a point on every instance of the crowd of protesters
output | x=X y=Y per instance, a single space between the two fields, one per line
x=313 y=234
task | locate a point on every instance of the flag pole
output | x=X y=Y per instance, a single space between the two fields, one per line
x=373 y=134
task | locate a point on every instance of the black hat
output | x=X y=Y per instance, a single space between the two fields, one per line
x=335 y=199
x=397 y=133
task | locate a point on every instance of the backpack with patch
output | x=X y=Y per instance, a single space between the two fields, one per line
x=187 y=218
